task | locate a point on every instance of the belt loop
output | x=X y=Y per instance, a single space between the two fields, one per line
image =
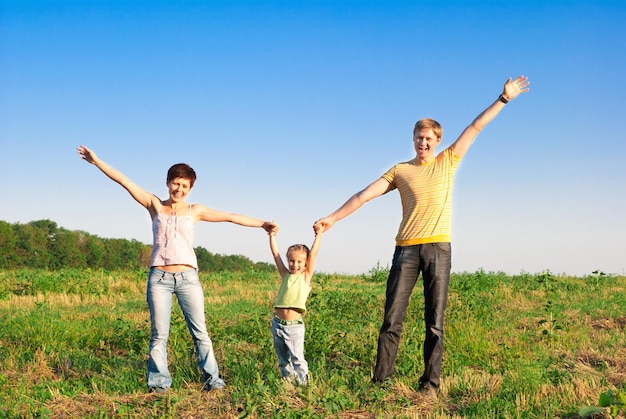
x=289 y=322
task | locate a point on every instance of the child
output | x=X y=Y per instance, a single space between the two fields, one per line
x=288 y=324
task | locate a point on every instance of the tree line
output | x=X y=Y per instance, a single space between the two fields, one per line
x=42 y=244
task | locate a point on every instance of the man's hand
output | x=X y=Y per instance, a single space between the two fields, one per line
x=513 y=88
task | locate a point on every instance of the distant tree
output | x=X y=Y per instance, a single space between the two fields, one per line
x=145 y=255
x=32 y=244
x=264 y=266
x=93 y=248
x=212 y=262
x=206 y=260
x=64 y=247
x=8 y=246
x=235 y=263
x=43 y=244
x=121 y=254
x=131 y=254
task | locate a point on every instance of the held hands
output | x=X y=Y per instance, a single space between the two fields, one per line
x=321 y=225
x=513 y=88
x=270 y=227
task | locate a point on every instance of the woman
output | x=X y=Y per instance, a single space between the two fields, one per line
x=174 y=267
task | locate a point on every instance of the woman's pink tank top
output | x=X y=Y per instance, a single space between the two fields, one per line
x=172 y=240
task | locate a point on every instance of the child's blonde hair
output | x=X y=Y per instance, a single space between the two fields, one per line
x=299 y=248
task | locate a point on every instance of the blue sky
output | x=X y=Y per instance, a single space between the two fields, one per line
x=287 y=108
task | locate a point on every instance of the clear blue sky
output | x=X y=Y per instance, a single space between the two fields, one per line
x=287 y=108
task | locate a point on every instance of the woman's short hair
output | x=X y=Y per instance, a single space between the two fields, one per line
x=182 y=170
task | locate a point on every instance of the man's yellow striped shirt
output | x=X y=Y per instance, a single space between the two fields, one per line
x=426 y=195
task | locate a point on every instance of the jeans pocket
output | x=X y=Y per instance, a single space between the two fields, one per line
x=155 y=278
x=191 y=277
x=444 y=247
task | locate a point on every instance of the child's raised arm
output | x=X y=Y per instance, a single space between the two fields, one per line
x=310 y=263
x=282 y=269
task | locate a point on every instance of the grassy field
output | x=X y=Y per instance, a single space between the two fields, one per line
x=74 y=344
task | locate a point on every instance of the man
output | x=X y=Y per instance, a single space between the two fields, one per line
x=423 y=239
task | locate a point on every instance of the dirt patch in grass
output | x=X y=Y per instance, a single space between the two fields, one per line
x=189 y=402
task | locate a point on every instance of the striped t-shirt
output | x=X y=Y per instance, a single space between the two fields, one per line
x=426 y=195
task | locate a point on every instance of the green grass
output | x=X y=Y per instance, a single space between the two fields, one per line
x=73 y=343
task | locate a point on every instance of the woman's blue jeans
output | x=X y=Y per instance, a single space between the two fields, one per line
x=186 y=285
x=433 y=261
